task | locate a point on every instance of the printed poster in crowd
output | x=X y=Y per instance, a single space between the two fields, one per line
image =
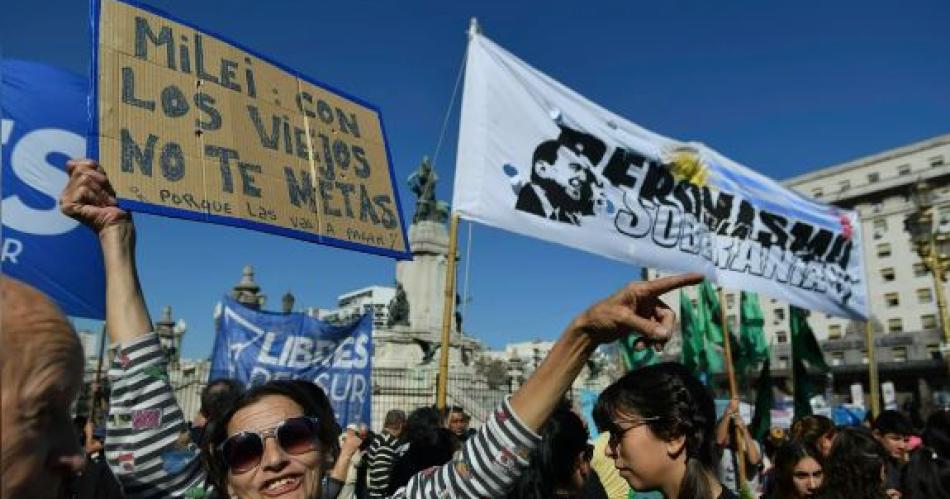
x=188 y=124
x=43 y=110
x=254 y=347
x=537 y=158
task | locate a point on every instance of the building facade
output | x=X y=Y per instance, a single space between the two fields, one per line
x=901 y=291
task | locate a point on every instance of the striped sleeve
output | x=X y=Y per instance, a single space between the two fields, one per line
x=144 y=425
x=380 y=456
x=487 y=466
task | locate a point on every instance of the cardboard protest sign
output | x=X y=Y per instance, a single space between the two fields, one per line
x=190 y=125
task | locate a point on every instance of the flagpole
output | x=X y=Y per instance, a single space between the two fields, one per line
x=872 y=369
x=448 y=310
x=733 y=388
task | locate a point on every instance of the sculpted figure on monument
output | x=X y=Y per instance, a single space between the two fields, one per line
x=399 y=308
x=422 y=183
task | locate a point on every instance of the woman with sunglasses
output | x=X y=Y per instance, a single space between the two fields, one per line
x=661 y=422
x=258 y=450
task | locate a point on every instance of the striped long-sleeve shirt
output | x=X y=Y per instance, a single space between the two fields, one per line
x=145 y=422
x=379 y=459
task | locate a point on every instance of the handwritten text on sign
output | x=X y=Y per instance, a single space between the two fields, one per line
x=192 y=126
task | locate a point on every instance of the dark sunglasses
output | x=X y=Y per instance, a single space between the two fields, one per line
x=243 y=451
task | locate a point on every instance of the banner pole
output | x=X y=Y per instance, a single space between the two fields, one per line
x=448 y=310
x=733 y=388
x=874 y=387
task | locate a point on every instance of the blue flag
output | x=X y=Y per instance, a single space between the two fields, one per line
x=254 y=347
x=43 y=111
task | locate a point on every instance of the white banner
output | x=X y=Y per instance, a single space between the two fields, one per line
x=538 y=159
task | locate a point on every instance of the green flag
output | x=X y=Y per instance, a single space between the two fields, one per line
x=805 y=353
x=752 y=346
x=693 y=345
x=709 y=300
x=764 y=400
x=633 y=358
x=709 y=328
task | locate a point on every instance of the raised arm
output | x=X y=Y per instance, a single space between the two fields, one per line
x=636 y=308
x=145 y=421
x=494 y=458
x=89 y=198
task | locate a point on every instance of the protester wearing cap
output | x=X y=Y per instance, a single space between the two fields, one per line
x=564 y=185
x=272 y=444
x=893 y=430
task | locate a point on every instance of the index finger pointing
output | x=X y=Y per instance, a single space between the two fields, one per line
x=665 y=284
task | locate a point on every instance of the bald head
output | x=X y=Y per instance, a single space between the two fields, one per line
x=42 y=370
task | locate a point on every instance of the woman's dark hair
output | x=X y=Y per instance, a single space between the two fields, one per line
x=926 y=475
x=786 y=458
x=853 y=469
x=553 y=462
x=809 y=429
x=218 y=395
x=308 y=396
x=681 y=406
x=429 y=445
x=937 y=432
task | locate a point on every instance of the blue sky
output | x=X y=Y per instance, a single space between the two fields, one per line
x=782 y=87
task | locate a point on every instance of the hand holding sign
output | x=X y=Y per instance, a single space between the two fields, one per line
x=89 y=198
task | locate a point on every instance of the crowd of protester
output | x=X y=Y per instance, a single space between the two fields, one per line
x=658 y=434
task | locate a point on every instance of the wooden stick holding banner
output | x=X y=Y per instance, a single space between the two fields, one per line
x=733 y=389
x=448 y=311
x=874 y=385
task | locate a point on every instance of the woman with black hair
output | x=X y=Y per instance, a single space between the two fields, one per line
x=798 y=472
x=560 y=465
x=926 y=476
x=661 y=421
x=855 y=468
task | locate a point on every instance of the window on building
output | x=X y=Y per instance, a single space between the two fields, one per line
x=694 y=301
x=876 y=207
x=834 y=331
x=781 y=337
x=920 y=270
x=730 y=300
x=837 y=358
x=892 y=299
x=895 y=325
x=933 y=351
x=884 y=250
x=731 y=323
x=864 y=356
x=887 y=274
x=779 y=314
x=936 y=161
x=873 y=177
x=880 y=224
x=899 y=354
x=928 y=321
x=844 y=185
x=903 y=170
x=924 y=295
x=943 y=214
x=782 y=361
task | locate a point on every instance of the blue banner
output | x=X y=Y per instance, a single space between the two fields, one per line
x=43 y=111
x=254 y=347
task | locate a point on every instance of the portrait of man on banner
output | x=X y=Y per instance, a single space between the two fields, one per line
x=564 y=183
